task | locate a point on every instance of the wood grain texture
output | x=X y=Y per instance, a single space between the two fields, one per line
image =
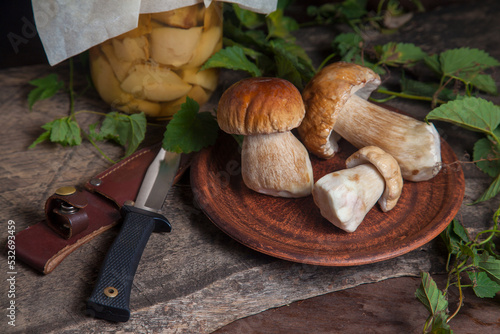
x=192 y=280
x=197 y=279
x=294 y=230
x=371 y=307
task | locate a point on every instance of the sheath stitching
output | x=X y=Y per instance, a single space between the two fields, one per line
x=124 y=163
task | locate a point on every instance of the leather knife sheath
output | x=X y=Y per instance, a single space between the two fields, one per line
x=75 y=215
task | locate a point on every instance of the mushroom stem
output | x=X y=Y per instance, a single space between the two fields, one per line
x=346 y=196
x=276 y=164
x=414 y=144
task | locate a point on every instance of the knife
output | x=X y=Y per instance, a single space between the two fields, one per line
x=111 y=295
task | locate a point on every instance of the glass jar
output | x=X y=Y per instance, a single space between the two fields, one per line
x=155 y=66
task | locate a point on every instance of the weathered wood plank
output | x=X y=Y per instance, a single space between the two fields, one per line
x=195 y=279
x=382 y=307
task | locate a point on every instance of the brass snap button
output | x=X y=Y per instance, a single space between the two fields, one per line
x=111 y=292
x=65 y=191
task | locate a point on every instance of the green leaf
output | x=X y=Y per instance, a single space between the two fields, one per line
x=430 y=296
x=279 y=25
x=439 y=325
x=190 y=130
x=484 y=149
x=353 y=9
x=482 y=82
x=446 y=237
x=248 y=18
x=324 y=14
x=491 y=266
x=364 y=62
x=474 y=114
x=46 y=88
x=460 y=231
x=292 y=56
x=491 y=192
x=483 y=286
x=249 y=39
x=43 y=137
x=419 y=88
x=73 y=136
x=93 y=133
x=253 y=54
x=433 y=63
x=126 y=130
x=465 y=60
x=348 y=45
x=233 y=58
x=239 y=139
x=435 y=302
x=466 y=250
x=393 y=54
x=286 y=70
x=454 y=236
x=64 y=131
x=295 y=53
x=258 y=37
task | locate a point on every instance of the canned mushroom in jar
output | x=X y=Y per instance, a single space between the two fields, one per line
x=155 y=66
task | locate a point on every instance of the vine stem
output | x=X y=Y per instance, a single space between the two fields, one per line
x=73 y=113
x=448 y=262
x=71 y=92
x=460 y=299
x=442 y=85
x=492 y=232
x=325 y=61
x=98 y=148
x=90 y=112
x=407 y=96
x=488 y=239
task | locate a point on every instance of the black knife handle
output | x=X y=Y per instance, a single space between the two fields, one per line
x=111 y=295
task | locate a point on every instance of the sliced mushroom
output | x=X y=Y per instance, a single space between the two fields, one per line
x=105 y=79
x=265 y=110
x=336 y=102
x=206 y=78
x=345 y=197
x=210 y=42
x=184 y=17
x=154 y=83
x=197 y=93
x=120 y=67
x=131 y=49
x=174 y=46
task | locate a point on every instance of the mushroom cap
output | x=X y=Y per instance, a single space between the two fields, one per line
x=324 y=98
x=388 y=168
x=260 y=106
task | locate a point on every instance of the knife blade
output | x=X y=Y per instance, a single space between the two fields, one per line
x=111 y=295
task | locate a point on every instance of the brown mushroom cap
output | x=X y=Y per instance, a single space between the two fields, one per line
x=388 y=168
x=324 y=97
x=260 y=106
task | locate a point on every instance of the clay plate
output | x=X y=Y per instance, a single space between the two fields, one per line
x=294 y=230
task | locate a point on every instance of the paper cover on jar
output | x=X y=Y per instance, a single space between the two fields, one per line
x=67 y=28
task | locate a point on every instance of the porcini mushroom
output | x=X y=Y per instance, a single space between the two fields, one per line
x=265 y=110
x=336 y=102
x=345 y=197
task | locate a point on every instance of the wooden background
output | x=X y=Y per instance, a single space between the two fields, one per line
x=196 y=279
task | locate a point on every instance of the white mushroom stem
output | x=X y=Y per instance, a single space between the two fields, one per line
x=276 y=164
x=345 y=197
x=414 y=144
